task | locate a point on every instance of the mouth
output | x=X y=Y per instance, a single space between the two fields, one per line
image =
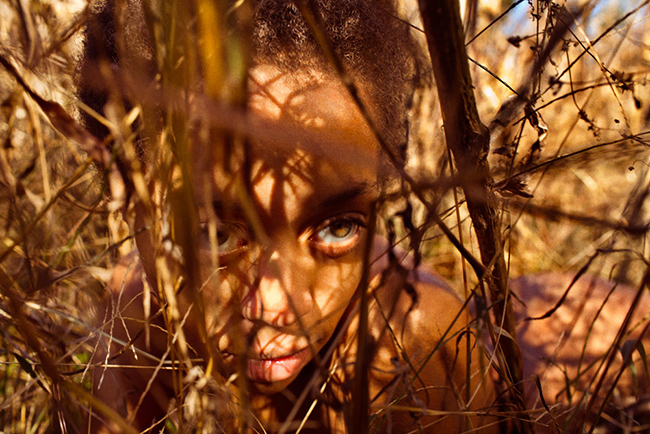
x=271 y=370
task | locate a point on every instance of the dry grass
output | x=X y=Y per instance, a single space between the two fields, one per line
x=55 y=245
x=584 y=200
x=61 y=234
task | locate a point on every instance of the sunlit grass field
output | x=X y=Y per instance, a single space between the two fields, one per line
x=571 y=177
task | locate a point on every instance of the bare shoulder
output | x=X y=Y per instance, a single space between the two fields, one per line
x=430 y=329
x=123 y=322
x=127 y=275
x=568 y=326
x=435 y=333
x=436 y=312
x=422 y=310
x=420 y=304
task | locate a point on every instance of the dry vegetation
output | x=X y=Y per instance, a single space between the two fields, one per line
x=593 y=115
x=571 y=168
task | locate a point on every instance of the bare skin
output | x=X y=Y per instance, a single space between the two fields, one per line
x=423 y=327
x=291 y=293
x=569 y=346
x=291 y=296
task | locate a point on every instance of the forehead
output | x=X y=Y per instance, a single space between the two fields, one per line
x=319 y=115
x=325 y=146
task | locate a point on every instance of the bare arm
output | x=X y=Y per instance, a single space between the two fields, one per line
x=125 y=365
x=429 y=334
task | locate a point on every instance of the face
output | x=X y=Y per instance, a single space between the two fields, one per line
x=289 y=247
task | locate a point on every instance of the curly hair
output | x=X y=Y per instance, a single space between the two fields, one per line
x=373 y=45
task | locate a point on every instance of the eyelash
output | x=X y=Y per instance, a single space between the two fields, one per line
x=236 y=240
x=346 y=243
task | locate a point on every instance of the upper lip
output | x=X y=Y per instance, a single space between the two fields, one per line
x=269 y=346
x=276 y=347
x=251 y=355
x=275 y=357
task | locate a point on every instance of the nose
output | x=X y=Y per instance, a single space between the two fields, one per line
x=279 y=294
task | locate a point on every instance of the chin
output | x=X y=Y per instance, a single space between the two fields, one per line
x=270 y=388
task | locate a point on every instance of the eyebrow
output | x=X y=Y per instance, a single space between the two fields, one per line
x=234 y=210
x=230 y=208
x=347 y=195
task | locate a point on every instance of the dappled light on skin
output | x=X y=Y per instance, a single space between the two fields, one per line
x=268 y=229
x=568 y=349
x=255 y=189
x=294 y=289
x=282 y=304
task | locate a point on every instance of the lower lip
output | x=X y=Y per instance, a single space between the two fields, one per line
x=280 y=369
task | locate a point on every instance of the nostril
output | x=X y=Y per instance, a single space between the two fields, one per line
x=272 y=308
x=282 y=319
x=249 y=306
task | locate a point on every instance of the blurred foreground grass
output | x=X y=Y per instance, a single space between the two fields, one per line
x=588 y=175
x=595 y=109
x=53 y=211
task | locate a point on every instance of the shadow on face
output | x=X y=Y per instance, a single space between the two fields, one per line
x=283 y=225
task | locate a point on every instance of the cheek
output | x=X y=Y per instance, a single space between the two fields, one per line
x=221 y=295
x=224 y=284
x=336 y=283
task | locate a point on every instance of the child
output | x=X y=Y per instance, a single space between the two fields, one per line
x=283 y=277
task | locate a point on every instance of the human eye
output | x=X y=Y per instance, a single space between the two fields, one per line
x=228 y=238
x=338 y=235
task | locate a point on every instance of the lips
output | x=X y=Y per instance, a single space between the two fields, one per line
x=272 y=370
